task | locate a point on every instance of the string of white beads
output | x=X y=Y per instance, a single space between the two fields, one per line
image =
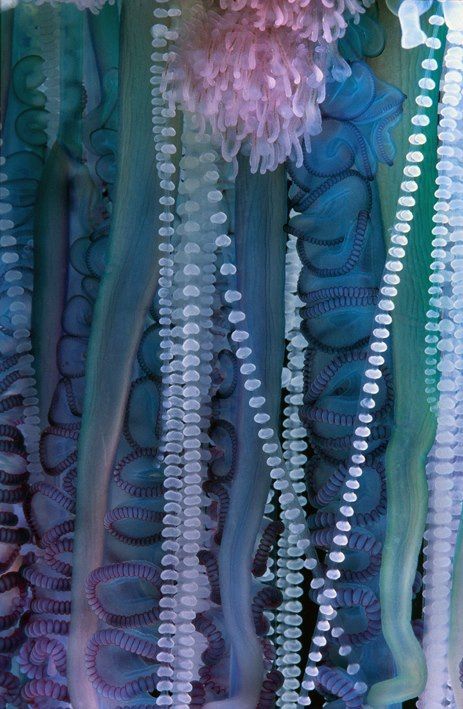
x=445 y=469
x=189 y=395
x=378 y=347
x=290 y=561
x=164 y=133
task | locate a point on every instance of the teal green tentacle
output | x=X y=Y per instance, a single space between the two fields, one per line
x=125 y=295
x=414 y=424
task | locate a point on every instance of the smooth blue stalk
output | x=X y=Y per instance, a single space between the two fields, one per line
x=64 y=181
x=126 y=292
x=261 y=212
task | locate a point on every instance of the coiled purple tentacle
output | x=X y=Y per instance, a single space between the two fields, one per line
x=224 y=451
x=210 y=683
x=137 y=513
x=135 y=645
x=9 y=380
x=69 y=480
x=266 y=598
x=41 y=657
x=268 y=540
x=327 y=493
x=337 y=683
x=69 y=432
x=53 y=493
x=13 y=537
x=358 y=541
x=209 y=561
x=356 y=597
x=270 y=686
x=197 y=694
x=358 y=243
x=11 y=497
x=215 y=641
x=57 y=532
x=153 y=490
x=45 y=581
x=128 y=570
x=328 y=305
x=10 y=643
x=9 y=431
x=9 y=581
x=49 y=605
x=219 y=491
x=52 y=551
x=8 y=403
x=46 y=689
x=8 y=518
x=36 y=627
x=365 y=574
x=9 y=688
x=227 y=385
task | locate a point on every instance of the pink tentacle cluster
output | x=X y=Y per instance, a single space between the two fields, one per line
x=313 y=19
x=255 y=73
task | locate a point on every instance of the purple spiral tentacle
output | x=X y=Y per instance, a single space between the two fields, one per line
x=37 y=626
x=50 y=556
x=55 y=533
x=356 y=597
x=270 y=686
x=216 y=643
x=130 y=643
x=49 y=605
x=209 y=561
x=218 y=490
x=44 y=689
x=36 y=655
x=54 y=494
x=45 y=581
x=128 y=570
x=133 y=513
x=9 y=581
x=145 y=491
x=266 y=598
x=9 y=688
x=268 y=541
x=335 y=682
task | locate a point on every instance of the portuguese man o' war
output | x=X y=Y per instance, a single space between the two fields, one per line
x=231 y=354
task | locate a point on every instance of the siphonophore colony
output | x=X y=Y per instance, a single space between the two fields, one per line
x=231 y=354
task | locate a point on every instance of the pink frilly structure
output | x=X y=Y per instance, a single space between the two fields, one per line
x=257 y=76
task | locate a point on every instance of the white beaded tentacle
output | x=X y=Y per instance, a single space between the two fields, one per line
x=164 y=132
x=445 y=468
x=185 y=299
x=290 y=561
x=378 y=347
x=19 y=316
x=190 y=389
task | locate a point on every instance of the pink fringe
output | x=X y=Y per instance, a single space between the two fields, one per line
x=255 y=75
x=313 y=19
